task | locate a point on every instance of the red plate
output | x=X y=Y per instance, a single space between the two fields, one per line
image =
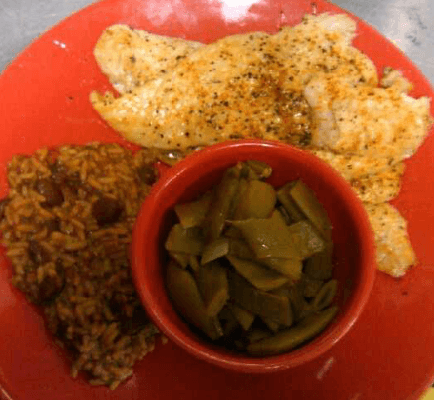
x=388 y=354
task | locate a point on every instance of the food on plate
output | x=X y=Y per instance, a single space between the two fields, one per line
x=366 y=120
x=288 y=339
x=236 y=272
x=305 y=85
x=131 y=58
x=353 y=166
x=66 y=225
x=394 y=251
x=381 y=187
x=240 y=86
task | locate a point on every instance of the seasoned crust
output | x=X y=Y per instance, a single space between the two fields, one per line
x=240 y=86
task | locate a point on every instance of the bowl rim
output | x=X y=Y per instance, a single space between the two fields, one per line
x=318 y=345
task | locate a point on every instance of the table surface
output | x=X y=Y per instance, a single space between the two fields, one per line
x=407 y=23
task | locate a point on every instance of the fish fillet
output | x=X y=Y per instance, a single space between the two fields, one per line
x=394 y=252
x=132 y=57
x=240 y=86
x=380 y=187
x=353 y=166
x=394 y=79
x=375 y=180
x=372 y=122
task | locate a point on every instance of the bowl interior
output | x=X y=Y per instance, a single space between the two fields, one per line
x=354 y=264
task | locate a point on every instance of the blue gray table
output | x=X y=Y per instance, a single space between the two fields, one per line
x=407 y=23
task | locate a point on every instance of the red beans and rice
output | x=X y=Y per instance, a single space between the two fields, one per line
x=66 y=224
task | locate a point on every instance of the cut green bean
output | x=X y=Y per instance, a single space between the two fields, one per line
x=259 y=276
x=311 y=287
x=261 y=169
x=293 y=213
x=287 y=218
x=268 y=237
x=183 y=259
x=290 y=338
x=239 y=248
x=299 y=306
x=307 y=202
x=216 y=249
x=213 y=286
x=257 y=334
x=228 y=320
x=223 y=197
x=326 y=295
x=264 y=304
x=290 y=267
x=181 y=240
x=320 y=265
x=186 y=298
x=257 y=201
x=245 y=318
x=243 y=185
x=298 y=303
x=272 y=325
x=305 y=239
x=193 y=213
x=194 y=264
x=233 y=233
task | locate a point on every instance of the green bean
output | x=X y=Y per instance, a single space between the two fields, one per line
x=264 y=304
x=262 y=169
x=305 y=239
x=256 y=201
x=320 y=265
x=259 y=276
x=287 y=218
x=300 y=307
x=183 y=259
x=257 y=334
x=298 y=303
x=190 y=240
x=248 y=173
x=243 y=185
x=213 y=286
x=308 y=203
x=223 y=197
x=273 y=326
x=216 y=249
x=326 y=295
x=306 y=311
x=194 y=264
x=228 y=320
x=311 y=287
x=289 y=267
x=239 y=248
x=193 y=213
x=187 y=300
x=233 y=233
x=245 y=318
x=290 y=338
x=293 y=213
x=268 y=237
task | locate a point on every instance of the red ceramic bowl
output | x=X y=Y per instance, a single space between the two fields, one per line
x=354 y=254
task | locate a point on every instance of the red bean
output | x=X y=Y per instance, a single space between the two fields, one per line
x=52 y=193
x=106 y=211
